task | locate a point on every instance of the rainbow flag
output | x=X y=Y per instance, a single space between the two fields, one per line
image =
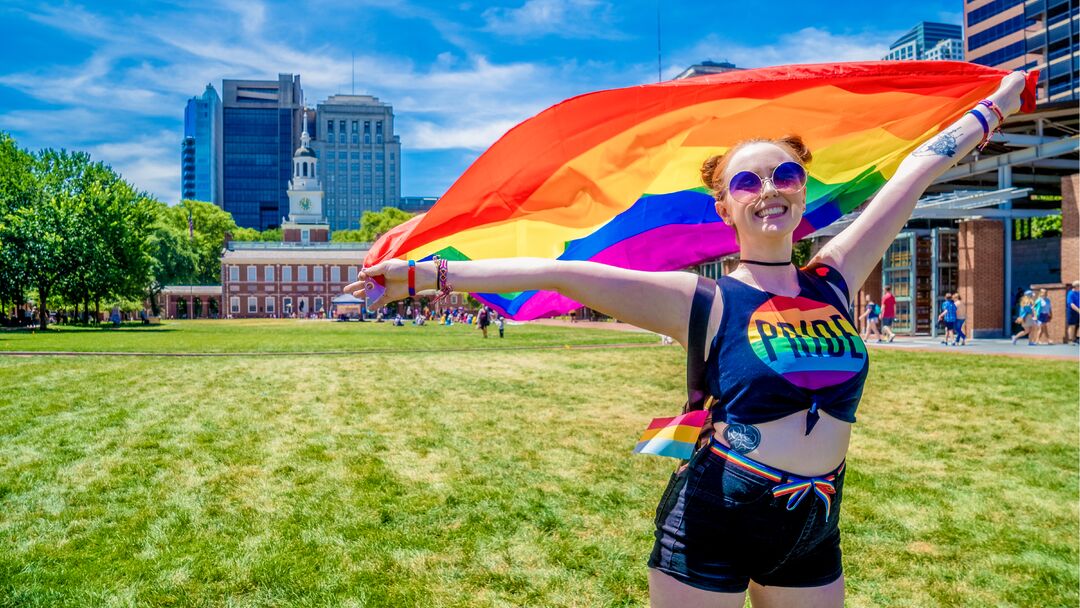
x=614 y=176
x=673 y=437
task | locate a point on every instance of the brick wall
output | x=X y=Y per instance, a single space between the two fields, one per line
x=282 y=296
x=981 y=275
x=870 y=290
x=1070 y=229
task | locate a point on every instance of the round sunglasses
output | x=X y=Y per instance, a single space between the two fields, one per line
x=788 y=177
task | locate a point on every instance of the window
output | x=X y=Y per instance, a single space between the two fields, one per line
x=253 y=305
x=234 y=304
x=234 y=275
x=318 y=304
x=318 y=274
x=352 y=274
x=341 y=126
x=270 y=304
x=305 y=237
x=329 y=126
x=286 y=305
x=252 y=274
x=286 y=274
x=301 y=274
x=268 y=274
x=341 y=137
x=335 y=274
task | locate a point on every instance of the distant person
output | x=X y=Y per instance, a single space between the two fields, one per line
x=871 y=314
x=1072 y=313
x=1026 y=318
x=483 y=320
x=961 y=318
x=888 y=313
x=948 y=319
x=114 y=316
x=1043 y=315
x=502 y=325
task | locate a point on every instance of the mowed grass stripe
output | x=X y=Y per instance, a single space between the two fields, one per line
x=492 y=479
x=289 y=336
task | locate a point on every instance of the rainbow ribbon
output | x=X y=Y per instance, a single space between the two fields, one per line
x=798 y=488
x=672 y=437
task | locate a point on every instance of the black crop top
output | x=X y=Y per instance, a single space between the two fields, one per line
x=774 y=355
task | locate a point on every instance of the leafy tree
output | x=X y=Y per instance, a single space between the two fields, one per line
x=208 y=226
x=374 y=224
x=16 y=190
x=347 y=236
x=175 y=261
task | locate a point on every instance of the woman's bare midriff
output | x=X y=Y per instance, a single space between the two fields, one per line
x=786 y=446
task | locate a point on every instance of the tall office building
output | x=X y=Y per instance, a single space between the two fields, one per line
x=359 y=157
x=923 y=39
x=261 y=125
x=1036 y=34
x=200 y=152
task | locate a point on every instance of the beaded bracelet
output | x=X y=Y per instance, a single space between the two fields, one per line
x=412 y=277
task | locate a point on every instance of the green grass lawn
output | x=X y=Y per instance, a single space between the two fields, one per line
x=497 y=478
x=268 y=335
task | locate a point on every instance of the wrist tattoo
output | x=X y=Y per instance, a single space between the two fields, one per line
x=743 y=438
x=943 y=145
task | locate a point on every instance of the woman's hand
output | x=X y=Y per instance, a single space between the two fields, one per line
x=395 y=276
x=1007 y=96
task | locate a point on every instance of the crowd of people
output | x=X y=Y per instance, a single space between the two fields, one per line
x=482 y=319
x=1035 y=311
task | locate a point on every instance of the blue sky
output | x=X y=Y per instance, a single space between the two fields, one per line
x=112 y=78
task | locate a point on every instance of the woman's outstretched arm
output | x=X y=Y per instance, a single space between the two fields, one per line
x=856 y=251
x=657 y=301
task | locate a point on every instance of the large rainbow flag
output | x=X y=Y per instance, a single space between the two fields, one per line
x=614 y=176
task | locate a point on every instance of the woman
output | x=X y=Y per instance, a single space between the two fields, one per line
x=870 y=321
x=1026 y=319
x=764 y=515
x=1043 y=315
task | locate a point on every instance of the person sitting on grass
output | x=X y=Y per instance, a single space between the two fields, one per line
x=759 y=507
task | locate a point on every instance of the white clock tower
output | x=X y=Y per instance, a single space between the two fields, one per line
x=306 y=222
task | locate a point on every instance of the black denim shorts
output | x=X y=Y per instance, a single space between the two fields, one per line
x=719 y=525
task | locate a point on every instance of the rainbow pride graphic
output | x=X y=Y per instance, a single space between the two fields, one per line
x=613 y=176
x=809 y=343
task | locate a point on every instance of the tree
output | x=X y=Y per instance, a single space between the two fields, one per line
x=16 y=190
x=347 y=236
x=206 y=231
x=374 y=224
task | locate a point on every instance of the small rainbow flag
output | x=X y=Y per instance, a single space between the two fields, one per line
x=672 y=437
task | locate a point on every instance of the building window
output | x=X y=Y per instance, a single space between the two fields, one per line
x=318 y=304
x=286 y=274
x=318 y=275
x=234 y=275
x=270 y=305
x=253 y=305
x=329 y=126
x=341 y=137
x=335 y=274
x=301 y=274
x=268 y=274
x=305 y=237
x=252 y=274
x=234 y=304
x=352 y=274
x=286 y=305
x=341 y=126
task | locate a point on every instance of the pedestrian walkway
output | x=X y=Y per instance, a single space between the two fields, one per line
x=986 y=346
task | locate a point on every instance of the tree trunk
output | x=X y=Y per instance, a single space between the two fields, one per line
x=43 y=309
x=97 y=311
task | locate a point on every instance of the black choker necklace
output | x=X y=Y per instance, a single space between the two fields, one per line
x=765 y=263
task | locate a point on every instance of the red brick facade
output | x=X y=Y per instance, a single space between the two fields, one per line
x=315 y=235
x=262 y=290
x=981 y=275
x=1070 y=229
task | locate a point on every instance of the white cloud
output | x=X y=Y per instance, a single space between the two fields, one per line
x=150 y=162
x=478 y=136
x=564 y=18
x=808 y=45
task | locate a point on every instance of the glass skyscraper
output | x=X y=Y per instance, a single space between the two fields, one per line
x=261 y=125
x=923 y=39
x=200 y=152
x=1026 y=35
x=359 y=157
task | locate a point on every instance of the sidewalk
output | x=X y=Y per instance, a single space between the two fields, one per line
x=985 y=346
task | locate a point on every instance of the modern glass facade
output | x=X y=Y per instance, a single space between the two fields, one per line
x=921 y=39
x=260 y=129
x=200 y=151
x=1026 y=35
x=359 y=158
